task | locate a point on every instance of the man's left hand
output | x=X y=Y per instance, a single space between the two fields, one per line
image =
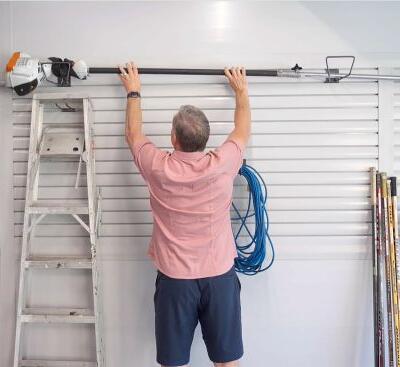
x=130 y=79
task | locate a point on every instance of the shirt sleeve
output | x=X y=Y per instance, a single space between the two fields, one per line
x=230 y=154
x=145 y=153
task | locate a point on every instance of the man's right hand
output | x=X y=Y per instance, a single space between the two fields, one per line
x=238 y=82
x=237 y=79
x=130 y=78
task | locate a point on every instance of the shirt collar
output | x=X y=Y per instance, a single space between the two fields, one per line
x=188 y=155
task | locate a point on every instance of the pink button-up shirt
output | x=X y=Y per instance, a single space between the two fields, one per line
x=190 y=198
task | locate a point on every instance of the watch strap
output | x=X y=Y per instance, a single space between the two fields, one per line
x=133 y=95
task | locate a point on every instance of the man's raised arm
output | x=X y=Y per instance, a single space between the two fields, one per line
x=133 y=125
x=238 y=82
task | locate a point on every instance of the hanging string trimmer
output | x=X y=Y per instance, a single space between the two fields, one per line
x=25 y=73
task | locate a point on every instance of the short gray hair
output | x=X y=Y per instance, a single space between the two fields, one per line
x=191 y=128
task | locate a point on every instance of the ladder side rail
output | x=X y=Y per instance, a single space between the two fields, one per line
x=90 y=166
x=92 y=202
x=35 y=153
x=33 y=141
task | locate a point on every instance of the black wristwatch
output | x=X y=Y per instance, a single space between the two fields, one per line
x=133 y=95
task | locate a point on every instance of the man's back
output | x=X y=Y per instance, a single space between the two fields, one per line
x=192 y=243
x=190 y=197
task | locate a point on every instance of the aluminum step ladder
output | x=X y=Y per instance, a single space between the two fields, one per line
x=65 y=141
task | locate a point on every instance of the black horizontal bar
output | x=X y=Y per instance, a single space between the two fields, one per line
x=260 y=72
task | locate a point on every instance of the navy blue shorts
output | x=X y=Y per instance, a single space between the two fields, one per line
x=181 y=303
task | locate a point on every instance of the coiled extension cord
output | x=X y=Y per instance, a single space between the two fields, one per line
x=252 y=255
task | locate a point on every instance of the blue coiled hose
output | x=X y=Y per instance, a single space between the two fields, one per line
x=251 y=255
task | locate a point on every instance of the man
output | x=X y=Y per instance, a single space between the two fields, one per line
x=192 y=243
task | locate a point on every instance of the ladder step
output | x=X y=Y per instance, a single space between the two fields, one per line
x=59 y=207
x=59 y=143
x=50 y=262
x=50 y=363
x=58 y=315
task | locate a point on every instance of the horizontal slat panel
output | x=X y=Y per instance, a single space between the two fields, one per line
x=262 y=165
x=24 y=118
x=272 y=178
x=265 y=140
x=275 y=216
x=227 y=102
x=312 y=142
x=276 y=140
x=273 y=204
x=302 y=229
x=124 y=154
x=294 y=114
x=240 y=191
x=258 y=127
x=222 y=89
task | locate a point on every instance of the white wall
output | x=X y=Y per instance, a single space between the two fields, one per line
x=7 y=253
x=314 y=143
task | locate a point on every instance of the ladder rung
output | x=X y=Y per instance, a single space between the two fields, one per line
x=50 y=262
x=59 y=207
x=58 y=315
x=50 y=363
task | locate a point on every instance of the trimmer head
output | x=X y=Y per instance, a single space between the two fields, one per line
x=24 y=73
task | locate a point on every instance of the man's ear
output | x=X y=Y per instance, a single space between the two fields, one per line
x=173 y=138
